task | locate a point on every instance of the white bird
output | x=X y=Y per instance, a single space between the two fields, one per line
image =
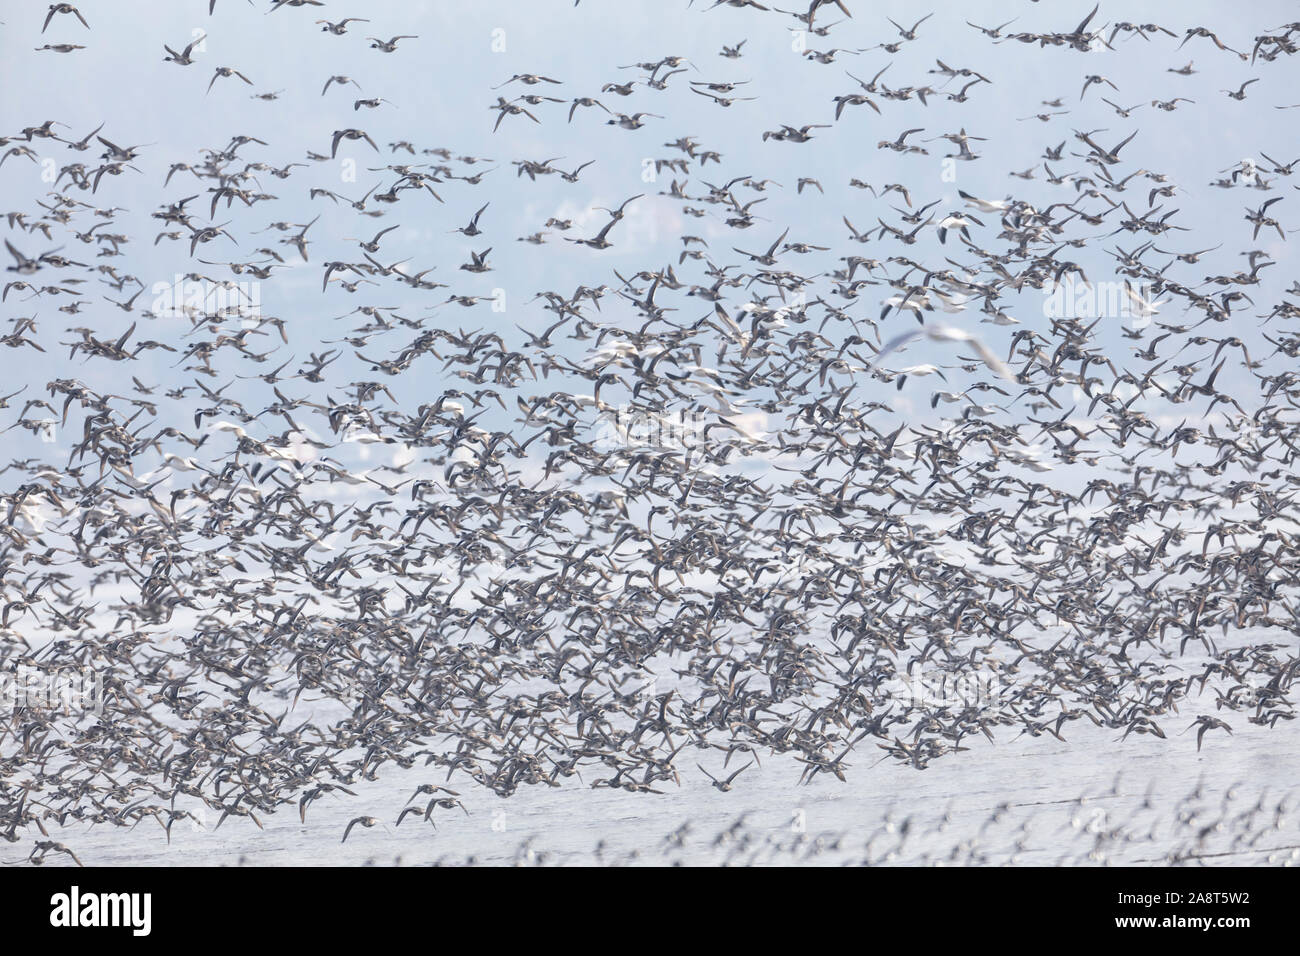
x=946 y=333
x=181 y=464
x=229 y=427
x=950 y=303
x=985 y=205
x=1143 y=306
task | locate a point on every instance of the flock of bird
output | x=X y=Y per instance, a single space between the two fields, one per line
x=1240 y=825
x=668 y=522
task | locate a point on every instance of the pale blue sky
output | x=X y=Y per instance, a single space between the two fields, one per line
x=439 y=85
